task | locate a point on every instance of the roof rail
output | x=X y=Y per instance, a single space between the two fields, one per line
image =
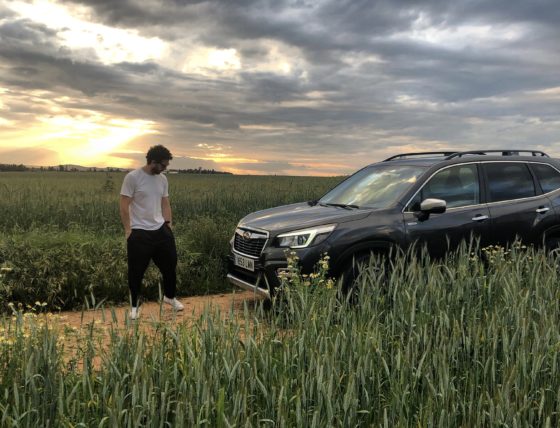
x=420 y=154
x=499 y=152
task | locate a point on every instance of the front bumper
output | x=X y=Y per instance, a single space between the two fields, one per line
x=248 y=286
x=264 y=280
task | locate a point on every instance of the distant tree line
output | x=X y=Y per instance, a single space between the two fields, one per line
x=69 y=168
x=95 y=169
x=12 y=167
x=199 y=170
x=21 y=167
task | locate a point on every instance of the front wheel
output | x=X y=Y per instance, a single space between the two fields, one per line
x=552 y=246
x=357 y=270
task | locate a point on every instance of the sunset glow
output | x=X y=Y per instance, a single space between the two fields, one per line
x=81 y=140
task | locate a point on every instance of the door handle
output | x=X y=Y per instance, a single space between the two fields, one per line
x=480 y=217
x=541 y=210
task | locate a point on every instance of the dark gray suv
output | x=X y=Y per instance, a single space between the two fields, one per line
x=432 y=199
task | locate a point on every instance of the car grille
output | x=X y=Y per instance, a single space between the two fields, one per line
x=249 y=242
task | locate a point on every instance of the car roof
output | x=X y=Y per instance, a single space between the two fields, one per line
x=425 y=162
x=428 y=159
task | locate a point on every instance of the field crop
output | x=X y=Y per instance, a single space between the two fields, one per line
x=89 y=201
x=451 y=344
x=471 y=340
x=62 y=241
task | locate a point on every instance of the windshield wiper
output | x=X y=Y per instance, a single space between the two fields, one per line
x=346 y=206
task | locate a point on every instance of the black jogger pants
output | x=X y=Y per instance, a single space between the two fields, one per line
x=157 y=245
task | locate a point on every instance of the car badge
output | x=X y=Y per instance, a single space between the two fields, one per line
x=246 y=235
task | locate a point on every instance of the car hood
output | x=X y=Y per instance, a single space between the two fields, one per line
x=298 y=216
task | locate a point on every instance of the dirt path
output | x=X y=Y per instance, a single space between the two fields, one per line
x=151 y=312
x=72 y=326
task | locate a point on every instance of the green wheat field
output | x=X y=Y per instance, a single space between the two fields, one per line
x=62 y=237
x=469 y=341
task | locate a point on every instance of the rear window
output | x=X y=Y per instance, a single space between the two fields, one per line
x=548 y=177
x=507 y=181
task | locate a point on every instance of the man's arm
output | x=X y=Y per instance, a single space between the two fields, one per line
x=166 y=210
x=125 y=214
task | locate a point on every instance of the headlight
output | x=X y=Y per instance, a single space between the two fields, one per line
x=305 y=237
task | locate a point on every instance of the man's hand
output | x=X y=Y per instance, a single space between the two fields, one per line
x=166 y=212
x=124 y=205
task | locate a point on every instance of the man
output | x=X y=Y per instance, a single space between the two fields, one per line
x=146 y=216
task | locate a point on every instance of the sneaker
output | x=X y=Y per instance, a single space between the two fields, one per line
x=134 y=313
x=175 y=304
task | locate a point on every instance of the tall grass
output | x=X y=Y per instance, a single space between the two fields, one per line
x=61 y=236
x=463 y=342
x=56 y=200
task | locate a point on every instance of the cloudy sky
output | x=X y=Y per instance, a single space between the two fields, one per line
x=300 y=87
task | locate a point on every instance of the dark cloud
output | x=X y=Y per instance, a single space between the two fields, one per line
x=271 y=88
x=360 y=80
x=25 y=31
x=151 y=14
x=50 y=72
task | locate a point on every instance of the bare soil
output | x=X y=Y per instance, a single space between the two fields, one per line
x=151 y=312
x=100 y=322
x=72 y=327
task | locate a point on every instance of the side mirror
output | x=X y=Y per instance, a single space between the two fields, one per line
x=431 y=206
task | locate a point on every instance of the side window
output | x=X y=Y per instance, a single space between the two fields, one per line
x=547 y=176
x=457 y=185
x=507 y=181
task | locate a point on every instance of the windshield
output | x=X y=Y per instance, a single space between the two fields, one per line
x=376 y=186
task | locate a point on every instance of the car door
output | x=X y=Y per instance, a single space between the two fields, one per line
x=465 y=218
x=518 y=208
x=548 y=178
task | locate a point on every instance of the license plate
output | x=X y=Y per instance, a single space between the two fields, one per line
x=244 y=262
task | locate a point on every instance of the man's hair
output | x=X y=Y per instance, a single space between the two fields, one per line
x=158 y=153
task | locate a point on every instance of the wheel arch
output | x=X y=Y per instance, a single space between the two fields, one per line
x=552 y=232
x=357 y=250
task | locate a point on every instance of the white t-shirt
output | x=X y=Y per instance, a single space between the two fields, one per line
x=146 y=192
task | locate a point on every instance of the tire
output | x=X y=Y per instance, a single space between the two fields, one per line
x=552 y=246
x=351 y=273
